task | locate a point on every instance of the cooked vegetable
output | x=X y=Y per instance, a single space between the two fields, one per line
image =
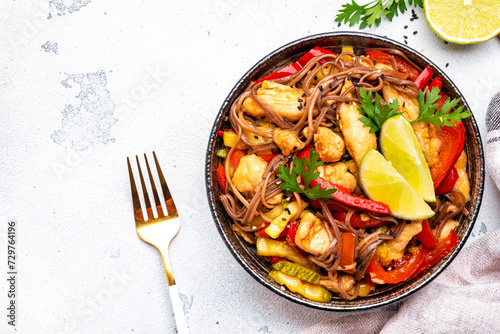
x=298 y=271
x=279 y=223
x=271 y=247
x=310 y=291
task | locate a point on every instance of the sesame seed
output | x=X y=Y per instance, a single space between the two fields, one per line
x=405 y=37
x=382 y=76
x=322 y=95
x=287 y=210
x=330 y=85
x=272 y=169
x=447 y=64
x=300 y=100
x=392 y=261
x=299 y=107
x=256 y=137
x=294 y=148
x=415 y=32
x=262 y=117
x=362 y=266
x=305 y=103
x=336 y=257
x=374 y=62
x=394 y=235
x=283 y=219
x=254 y=227
x=404 y=103
x=335 y=78
x=405 y=86
x=346 y=102
x=348 y=78
x=406 y=42
x=446 y=42
x=406 y=27
x=303 y=94
x=315 y=78
x=321 y=88
x=412 y=19
x=339 y=24
x=343 y=267
x=408 y=222
x=286 y=119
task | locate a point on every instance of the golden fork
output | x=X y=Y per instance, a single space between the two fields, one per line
x=160 y=231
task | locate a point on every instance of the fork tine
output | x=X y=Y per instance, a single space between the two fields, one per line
x=144 y=190
x=159 y=208
x=172 y=210
x=135 y=196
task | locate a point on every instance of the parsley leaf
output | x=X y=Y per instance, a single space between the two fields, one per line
x=373 y=114
x=372 y=12
x=306 y=169
x=439 y=118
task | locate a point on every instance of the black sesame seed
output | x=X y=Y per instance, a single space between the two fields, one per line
x=305 y=103
x=272 y=169
x=343 y=267
x=405 y=86
x=321 y=88
x=406 y=27
x=336 y=257
x=415 y=32
x=315 y=78
x=286 y=119
x=392 y=261
x=405 y=37
x=256 y=137
x=447 y=64
x=262 y=117
x=303 y=94
x=299 y=107
x=374 y=62
x=393 y=268
x=322 y=95
x=412 y=19
x=283 y=219
x=294 y=148
x=348 y=78
x=406 y=42
x=330 y=85
x=335 y=78
x=394 y=235
x=287 y=210
x=362 y=266
x=339 y=24
x=404 y=103
x=445 y=42
x=300 y=100
x=408 y=222
x=382 y=76
x=346 y=102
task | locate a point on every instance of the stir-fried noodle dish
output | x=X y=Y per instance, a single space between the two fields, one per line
x=346 y=169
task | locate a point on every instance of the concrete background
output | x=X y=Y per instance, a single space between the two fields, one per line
x=86 y=83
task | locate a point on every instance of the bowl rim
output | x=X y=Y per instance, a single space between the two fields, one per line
x=211 y=199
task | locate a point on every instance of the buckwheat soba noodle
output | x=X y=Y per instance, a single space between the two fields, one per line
x=344 y=243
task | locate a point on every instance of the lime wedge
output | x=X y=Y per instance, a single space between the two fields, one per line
x=381 y=182
x=401 y=148
x=464 y=21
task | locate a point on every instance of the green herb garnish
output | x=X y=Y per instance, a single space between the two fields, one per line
x=439 y=118
x=375 y=115
x=372 y=12
x=306 y=169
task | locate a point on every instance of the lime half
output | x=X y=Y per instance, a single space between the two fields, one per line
x=381 y=182
x=464 y=21
x=401 y=148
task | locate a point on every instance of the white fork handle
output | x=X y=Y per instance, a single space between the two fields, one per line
x=180 y=319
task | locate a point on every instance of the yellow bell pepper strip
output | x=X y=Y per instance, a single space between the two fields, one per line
x=229 y=138
x=271 y=247
x=279 y=223
x=310 y=291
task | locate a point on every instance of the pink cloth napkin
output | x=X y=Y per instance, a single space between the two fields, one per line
x=465 y=298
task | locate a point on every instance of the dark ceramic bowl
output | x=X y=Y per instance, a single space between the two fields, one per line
x=246 y=255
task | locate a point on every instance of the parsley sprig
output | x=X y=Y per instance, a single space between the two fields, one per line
x=439 y=118
x=375 y=115
x=306 y=169
x=372 y=12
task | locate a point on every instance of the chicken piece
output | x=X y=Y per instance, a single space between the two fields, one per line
x=329 y=145
x=282 y=98
x=394 y=249
x=248 y=175
x=425 y=132
x=275 y=199
x=462 y=183
x=449 y=225
x=287 y=141
x=358 y=139
x=311 y=235
x=347 y=282
x=337 y=173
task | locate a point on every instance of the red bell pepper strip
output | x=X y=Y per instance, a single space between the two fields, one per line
x=426 y=237
x=356 y=220
x=403 y=65
x=343 y=195
x=236 y=157
x=347 y=254
x=400 y=274
x=437 y=82
x=443 y=248
x=424 y=77
x=221 y=178
x=294 y=67
x=454 y=137
x=267 y=157
x=221 y=133
x=275 y=259
x=448 y=182
x=332 y=206
x=290 y=238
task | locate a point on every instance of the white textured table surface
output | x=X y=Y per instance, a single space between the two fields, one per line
x=84 y=86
